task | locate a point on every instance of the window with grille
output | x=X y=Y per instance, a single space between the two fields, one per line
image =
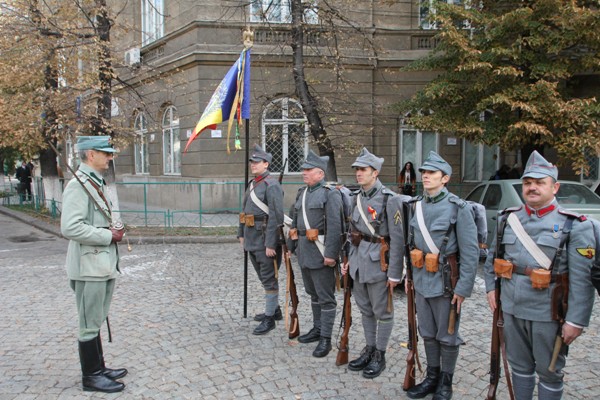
x=285 y=134
x=592 y=161
x=153 y=21
x=427 y=10
x=140 y=147
x=278 y=11
x=171 y=142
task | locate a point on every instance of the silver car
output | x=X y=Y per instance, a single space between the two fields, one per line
x=501 y=194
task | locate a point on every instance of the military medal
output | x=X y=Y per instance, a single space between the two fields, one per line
x=555 y=231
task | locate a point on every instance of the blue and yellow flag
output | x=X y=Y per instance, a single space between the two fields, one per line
x=230 y=102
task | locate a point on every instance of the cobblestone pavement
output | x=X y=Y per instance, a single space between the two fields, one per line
x=178 y=327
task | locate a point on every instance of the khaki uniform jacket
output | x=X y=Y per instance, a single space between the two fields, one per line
x=90 y=256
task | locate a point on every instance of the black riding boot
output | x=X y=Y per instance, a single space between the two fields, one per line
x=108 y=372
x=323 y=348
x=375 y=366
x=313 y=335
x=266 y=325
x=361 y=362
x=93 y=380
x=428 y=386
x=278 y=315
x=444 y=390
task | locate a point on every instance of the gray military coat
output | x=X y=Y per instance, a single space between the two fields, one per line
x=324 y=212
x=263 y=234
x=365 y=259
x=438 y=213
x=518 y=297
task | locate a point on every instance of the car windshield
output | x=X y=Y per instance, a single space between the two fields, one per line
x=568 y=194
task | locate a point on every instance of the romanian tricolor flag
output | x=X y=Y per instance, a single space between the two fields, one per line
x=230 y=102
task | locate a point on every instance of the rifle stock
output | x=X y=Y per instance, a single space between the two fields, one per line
x=413 y=353
x=495 y=347
x=342 y=355
x=294 y=327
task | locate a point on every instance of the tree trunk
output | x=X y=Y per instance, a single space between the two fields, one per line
x=309 y=103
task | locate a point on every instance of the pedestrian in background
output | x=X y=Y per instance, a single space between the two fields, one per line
x=23 y=175
x=442 y=233
x=258 y=234
x=376 y=221
x=316 y=238
x=407 y=180
x=530 y=261
x=92 y=258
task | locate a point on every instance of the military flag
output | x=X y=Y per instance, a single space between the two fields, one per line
x=230 y=101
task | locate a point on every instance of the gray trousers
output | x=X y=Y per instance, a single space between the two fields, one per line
x=529 y=346
x=265 y=269
x=93 y=303
x=432 y=319
x=319 y=284
x=371 y=299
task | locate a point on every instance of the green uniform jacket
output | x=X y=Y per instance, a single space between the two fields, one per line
x=90 y=256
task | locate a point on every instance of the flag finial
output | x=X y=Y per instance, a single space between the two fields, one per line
x=248 y=37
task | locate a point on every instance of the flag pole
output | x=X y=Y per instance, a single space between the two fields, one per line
x=248 y=38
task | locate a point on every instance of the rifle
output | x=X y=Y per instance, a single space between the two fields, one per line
x=346 y=322
x=294 y=326
x=560 y=296
x=413 y=351
x=451 y=269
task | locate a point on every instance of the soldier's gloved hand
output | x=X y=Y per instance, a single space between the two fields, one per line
x=117 y=234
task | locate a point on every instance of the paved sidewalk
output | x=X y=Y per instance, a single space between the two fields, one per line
x=178 y=327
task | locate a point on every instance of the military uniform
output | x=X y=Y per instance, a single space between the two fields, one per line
x=262 y=233
x=92 y=263
x=322 y=206
x=444 y=215
x=382 y=211
x=529 y=328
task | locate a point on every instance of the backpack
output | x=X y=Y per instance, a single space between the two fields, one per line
x=595 y=270
x=480 y=218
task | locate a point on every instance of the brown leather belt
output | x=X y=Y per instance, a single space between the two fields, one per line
x=528 y=270
x=302 y=232
x=372 y=239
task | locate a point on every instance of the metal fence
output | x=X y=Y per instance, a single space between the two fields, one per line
x=170 y=204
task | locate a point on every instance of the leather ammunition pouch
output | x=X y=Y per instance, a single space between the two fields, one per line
x=249 y=219
x=432 y=262
x=293 y=234
x=312 y=234
x=416 y=258
x=503 y=268
x=242 y=218
x=540 y=278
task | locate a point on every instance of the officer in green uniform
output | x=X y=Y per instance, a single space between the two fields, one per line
x=529 y=241
x=92 y=258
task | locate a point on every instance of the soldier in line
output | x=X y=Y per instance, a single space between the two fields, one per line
x=258 y=234
x=376 y=221
x=92 y=258
x=316 y=235
x=439 y=214
x=529 y=249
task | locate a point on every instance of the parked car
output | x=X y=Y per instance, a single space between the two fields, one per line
x=501 y=194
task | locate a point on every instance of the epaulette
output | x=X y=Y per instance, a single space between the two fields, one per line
x=510 y=209
x=329 y=186
x=452 y=198
x=573 y=214
x=415 y=199
x=83 y=177
x=388 y=191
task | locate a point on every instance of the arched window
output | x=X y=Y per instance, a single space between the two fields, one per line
x=285 y=134
x=171 y=142
x=142 y=157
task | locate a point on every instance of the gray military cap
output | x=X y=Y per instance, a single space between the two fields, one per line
x=366 y=159
x=258 y=154
x=434 y=162
x=314 y=161
x=538 y=167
